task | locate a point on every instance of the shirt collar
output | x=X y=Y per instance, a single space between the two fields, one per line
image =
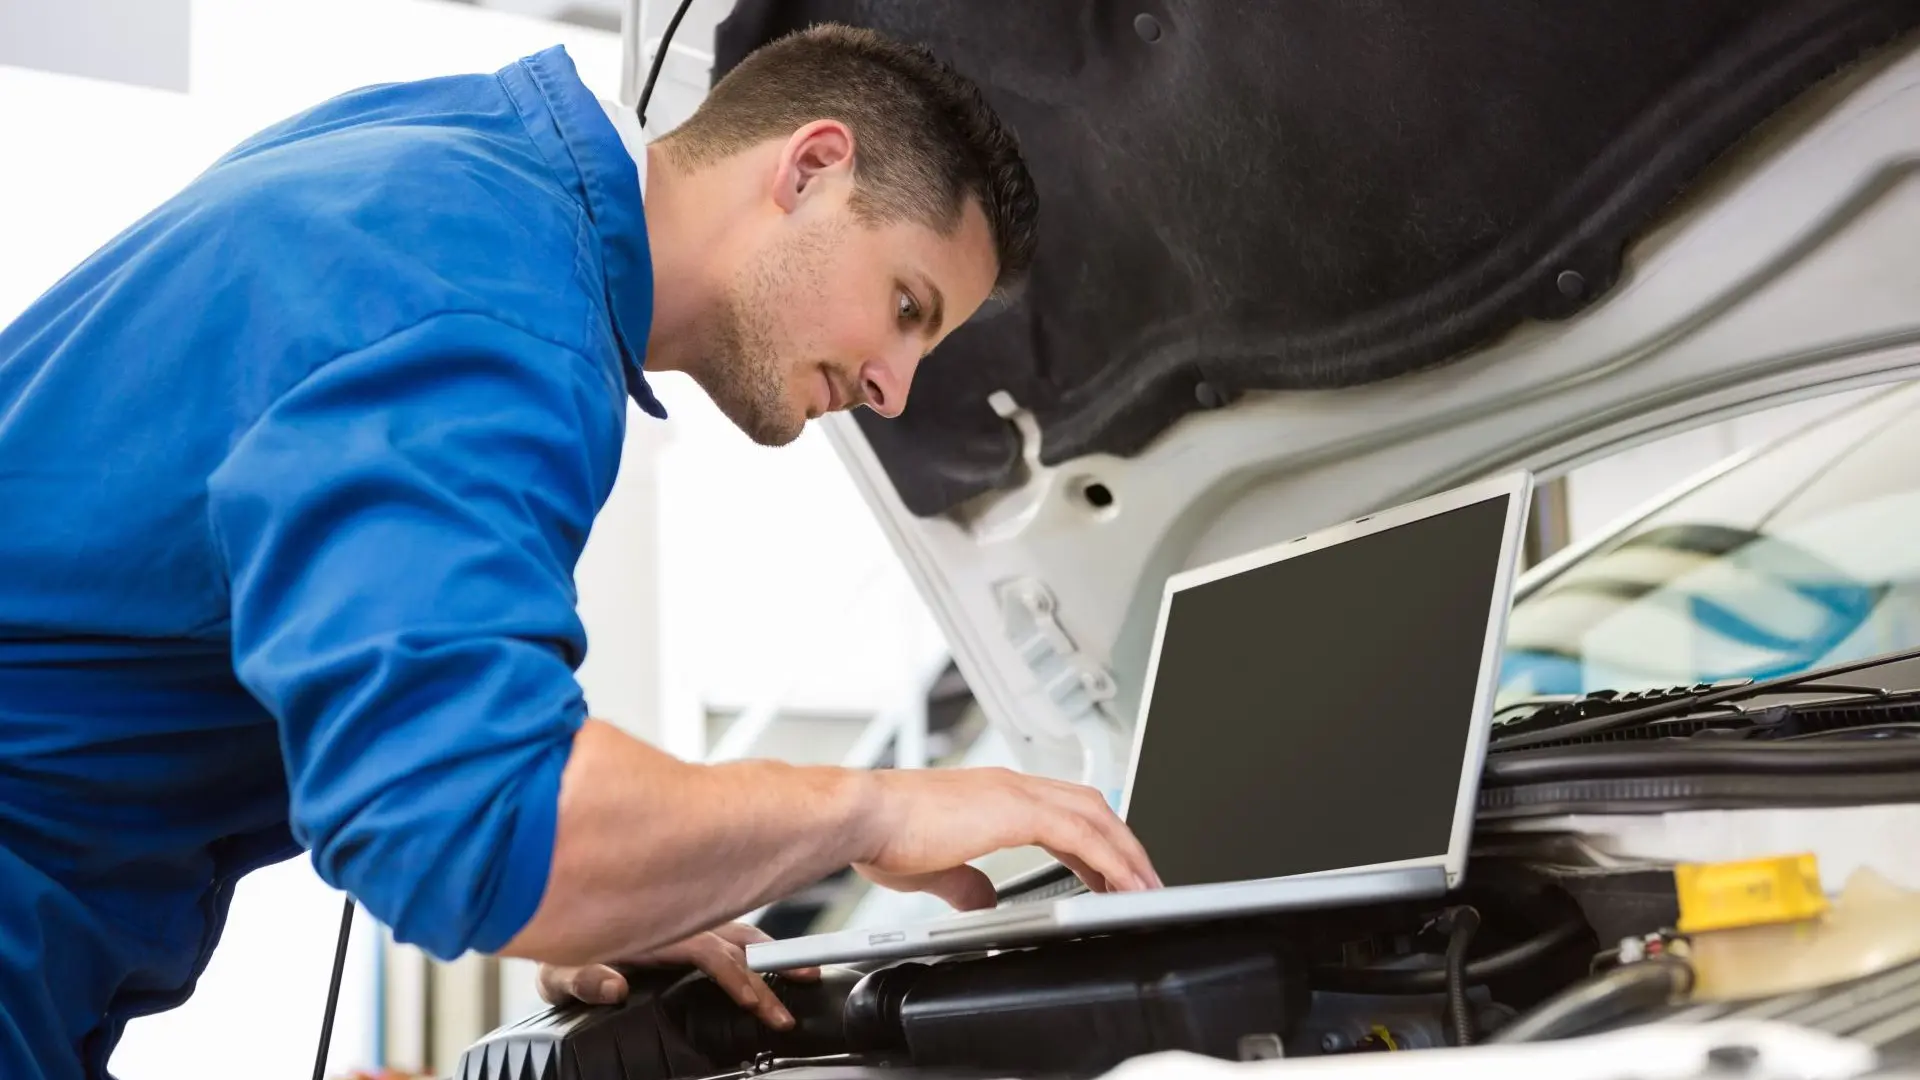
x=610 y=172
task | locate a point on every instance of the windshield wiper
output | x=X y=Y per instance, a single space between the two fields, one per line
x=1702 y=696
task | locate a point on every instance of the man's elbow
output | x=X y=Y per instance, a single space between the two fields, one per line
x=444 y=877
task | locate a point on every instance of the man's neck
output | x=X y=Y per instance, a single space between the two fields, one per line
x=626 y=122
x=660 y=202
x=686 y=233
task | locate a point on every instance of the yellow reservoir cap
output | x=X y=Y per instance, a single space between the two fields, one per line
x=1757 y=892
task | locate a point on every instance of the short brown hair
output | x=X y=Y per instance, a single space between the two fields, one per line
x=925 y=138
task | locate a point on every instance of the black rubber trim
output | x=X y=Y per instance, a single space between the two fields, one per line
x=1595 y=762
x=1663 y=794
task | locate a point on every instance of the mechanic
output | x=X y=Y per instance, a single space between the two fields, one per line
x=296 y=472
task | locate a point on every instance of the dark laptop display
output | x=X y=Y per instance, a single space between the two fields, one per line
x=1313 y=714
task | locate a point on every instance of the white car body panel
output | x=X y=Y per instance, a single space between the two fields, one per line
x=1793 y=271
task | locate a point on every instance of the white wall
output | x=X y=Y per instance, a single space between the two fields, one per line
x=776 y=577
x=141 y=42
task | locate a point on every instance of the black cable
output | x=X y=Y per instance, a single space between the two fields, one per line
x=1460 y=923
x=766 y=1063
x=1346 y=980
x=1586 y=1005
x=1681 y=706
x=659 y=57
x=333 y=991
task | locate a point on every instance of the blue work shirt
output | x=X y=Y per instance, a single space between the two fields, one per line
x=296 y=471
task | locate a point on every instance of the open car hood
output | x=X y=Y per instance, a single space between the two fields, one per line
x=1302 y=261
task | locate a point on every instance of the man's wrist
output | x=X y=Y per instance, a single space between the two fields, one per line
x=858 y=803
x=834 y=811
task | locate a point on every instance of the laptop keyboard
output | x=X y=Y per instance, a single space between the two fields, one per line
x=1052 y=890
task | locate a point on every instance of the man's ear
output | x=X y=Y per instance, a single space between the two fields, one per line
x=819 y=152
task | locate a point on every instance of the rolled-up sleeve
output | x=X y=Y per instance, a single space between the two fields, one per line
x=400 y=532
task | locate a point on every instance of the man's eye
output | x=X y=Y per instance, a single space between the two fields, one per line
x=909 y=309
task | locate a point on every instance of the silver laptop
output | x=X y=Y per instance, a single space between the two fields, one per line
x=1311 y=733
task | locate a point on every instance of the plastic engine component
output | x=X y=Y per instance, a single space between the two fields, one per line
x=1083 y=1007
x=1075 y=1008
x=1371 y=1023
x=672 y=1024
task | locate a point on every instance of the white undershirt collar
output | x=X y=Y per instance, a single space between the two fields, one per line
x=627 y=123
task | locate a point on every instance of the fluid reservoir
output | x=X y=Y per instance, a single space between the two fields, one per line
x=1766 y=927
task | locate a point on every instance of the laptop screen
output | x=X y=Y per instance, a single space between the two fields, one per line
x=1313 y=714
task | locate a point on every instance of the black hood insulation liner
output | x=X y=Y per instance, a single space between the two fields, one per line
x=1242 y=194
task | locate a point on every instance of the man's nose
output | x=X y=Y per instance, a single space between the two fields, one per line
x=885 y=384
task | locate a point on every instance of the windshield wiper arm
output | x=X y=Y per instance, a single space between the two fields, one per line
x=1811 y=681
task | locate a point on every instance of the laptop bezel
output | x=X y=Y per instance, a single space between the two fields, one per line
x=1517 y=489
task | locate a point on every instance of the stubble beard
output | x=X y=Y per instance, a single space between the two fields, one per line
x=742 y=375
x=742 y=372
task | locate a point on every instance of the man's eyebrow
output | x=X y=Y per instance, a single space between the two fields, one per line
x=936 y=306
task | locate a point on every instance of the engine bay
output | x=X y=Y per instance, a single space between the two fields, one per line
x=1246 y=993
x=1559 y=934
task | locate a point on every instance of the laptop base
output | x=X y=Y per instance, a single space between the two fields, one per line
x=1089 y=914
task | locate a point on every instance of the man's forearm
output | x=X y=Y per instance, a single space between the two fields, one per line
x=650 y=849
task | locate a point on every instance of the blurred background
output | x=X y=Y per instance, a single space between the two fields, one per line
x=702 y=585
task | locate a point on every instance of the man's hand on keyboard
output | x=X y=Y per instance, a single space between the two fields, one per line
x=933 y=821
x=649 y=848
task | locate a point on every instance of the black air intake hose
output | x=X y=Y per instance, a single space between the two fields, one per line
x=1460 y=923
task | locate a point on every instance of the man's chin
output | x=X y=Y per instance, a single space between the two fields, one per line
x=775 y=426
x=771 y=430
x=782 y=437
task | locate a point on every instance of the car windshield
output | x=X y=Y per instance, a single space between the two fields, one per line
x=1801 y=556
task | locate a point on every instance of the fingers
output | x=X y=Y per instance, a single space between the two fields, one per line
x=1131 y=850
x=941 y=818
x=1075 y=840
x=1095 y=843
x=963 y=887
x=741 y=934
x=720 y=953
x=594 y=984
x=1080 y=870
x=1089 y=832
x=745 y=934
x=726 y=964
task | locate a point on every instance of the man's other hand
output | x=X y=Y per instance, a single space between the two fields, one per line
x=720 y=952
x=926 y=824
